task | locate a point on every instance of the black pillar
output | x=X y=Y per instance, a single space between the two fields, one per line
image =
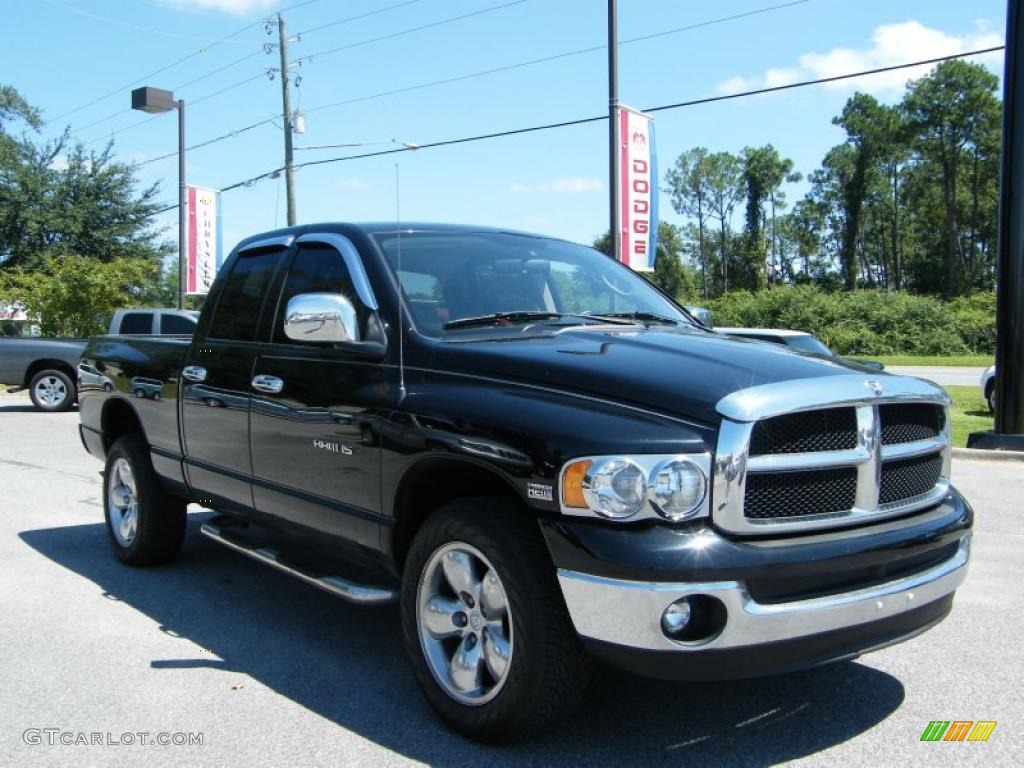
x=1009 y=382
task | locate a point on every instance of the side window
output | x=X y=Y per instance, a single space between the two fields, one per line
x=238 y=309
x=176 y=325
x=136 y=323
x=317 y=268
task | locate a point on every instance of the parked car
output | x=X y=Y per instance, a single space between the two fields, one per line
x=48 y=367
x=988 y=387
x=539 y=457
x=798 y=340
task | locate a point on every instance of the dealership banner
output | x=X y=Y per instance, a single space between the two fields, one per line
x=205 y=253
x=638 y=177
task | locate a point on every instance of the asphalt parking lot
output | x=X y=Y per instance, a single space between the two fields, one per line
x=272 y=672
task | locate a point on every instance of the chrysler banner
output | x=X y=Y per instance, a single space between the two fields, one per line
x=638 y=176
x=204 y=239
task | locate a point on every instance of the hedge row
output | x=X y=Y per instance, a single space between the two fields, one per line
x=868 y=322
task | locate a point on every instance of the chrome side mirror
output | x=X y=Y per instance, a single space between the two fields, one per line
x=323 y=317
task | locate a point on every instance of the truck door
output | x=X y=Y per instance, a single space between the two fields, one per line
x=315 y=406
x=215 y=381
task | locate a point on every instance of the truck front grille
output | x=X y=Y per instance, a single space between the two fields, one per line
x=831 y=463
x=788 y=494
x=909 y=478
x=910 y=422
x=830 y=429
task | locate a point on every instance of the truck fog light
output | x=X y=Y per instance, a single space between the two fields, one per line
x=615 y=487
x=676 y=617
x=677 y=488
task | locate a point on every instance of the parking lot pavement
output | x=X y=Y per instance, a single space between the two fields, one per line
x=272 y=672
x=946 y=376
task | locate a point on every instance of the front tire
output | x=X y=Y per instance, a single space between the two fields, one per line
x=484 y=623
x=990 y=397
x=145 y=524
x=52 y=391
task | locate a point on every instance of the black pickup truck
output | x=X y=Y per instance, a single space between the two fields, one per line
x=540 y=457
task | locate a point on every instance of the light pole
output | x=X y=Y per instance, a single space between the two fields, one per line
x=154 y=101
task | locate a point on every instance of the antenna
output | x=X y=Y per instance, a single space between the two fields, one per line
x=401 y=324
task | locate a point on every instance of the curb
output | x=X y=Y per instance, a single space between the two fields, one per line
x=977 y=454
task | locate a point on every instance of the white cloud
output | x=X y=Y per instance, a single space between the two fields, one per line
x=238 y=7
x=565 y=184
x=891 y=44
x=350 y=184
x=59 y=163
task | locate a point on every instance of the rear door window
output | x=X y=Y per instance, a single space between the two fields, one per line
x=176 y=325
x=136 y=323
x=238 y=309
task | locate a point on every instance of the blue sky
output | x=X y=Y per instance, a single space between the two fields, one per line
x=68 y=53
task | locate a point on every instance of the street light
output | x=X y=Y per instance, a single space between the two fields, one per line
x=154 y=101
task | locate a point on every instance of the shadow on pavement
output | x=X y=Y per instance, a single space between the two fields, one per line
x=347 y=664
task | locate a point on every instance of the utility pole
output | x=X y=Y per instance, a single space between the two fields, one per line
x=286 y=107
x=614 y=183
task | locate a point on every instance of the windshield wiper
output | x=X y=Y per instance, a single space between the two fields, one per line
x=642 y=317
x=525 y=316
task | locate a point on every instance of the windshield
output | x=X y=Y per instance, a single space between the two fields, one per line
x=452 y=276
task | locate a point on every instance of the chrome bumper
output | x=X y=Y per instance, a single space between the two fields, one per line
x=628 y=613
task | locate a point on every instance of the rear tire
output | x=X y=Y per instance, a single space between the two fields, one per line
x=145 y=524
x=52 y=391
x=539 y=672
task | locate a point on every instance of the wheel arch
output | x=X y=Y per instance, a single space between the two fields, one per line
x=117 y=419
x=432 y=482
x=49 y=363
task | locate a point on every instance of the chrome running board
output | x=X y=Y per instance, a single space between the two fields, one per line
x=336 y=585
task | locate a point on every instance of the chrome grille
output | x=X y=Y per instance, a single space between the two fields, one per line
x=909 y=422
x=909 y=478
x=787 y=494
x=833 y=451
x=830 y=429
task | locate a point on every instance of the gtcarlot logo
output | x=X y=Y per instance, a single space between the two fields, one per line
x=958 y=730
x=59 y=737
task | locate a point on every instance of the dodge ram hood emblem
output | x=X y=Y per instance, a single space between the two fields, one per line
x=875 y=387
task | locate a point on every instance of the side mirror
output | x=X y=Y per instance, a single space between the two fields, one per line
x=321 y=317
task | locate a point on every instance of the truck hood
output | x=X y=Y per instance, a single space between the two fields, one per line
x=679 y=371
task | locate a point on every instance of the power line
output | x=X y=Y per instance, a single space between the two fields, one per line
x=206 y=143
x=598 y=118
x=555 y=57
x=359 y=16
x=822 y=80
x=182 y=60
x=495 y=70
x=400 y=33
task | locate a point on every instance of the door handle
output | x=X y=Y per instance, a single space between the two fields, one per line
x=194 y=373
x=269 y=384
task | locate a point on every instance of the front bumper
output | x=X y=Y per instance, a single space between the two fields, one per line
x=618 y=614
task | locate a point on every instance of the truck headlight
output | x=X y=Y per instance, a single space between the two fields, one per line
x=672 y=488
x=677 y=489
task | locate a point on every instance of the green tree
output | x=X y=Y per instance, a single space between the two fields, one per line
x=764 y=173
x=57 y=198
x=75 y=295
x=688 y=184
x=951 y=112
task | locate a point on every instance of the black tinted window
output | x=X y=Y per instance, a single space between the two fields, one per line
x=238 y=309
x=176 y=325
x=136 y=322
x=316 y=269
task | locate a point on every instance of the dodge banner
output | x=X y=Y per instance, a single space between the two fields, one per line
x=204 y=239
x=638 y=176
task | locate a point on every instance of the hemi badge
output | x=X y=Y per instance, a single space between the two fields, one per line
x=539 y=491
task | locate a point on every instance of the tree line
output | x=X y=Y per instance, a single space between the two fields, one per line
x=908 y=201
x=77 y=238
